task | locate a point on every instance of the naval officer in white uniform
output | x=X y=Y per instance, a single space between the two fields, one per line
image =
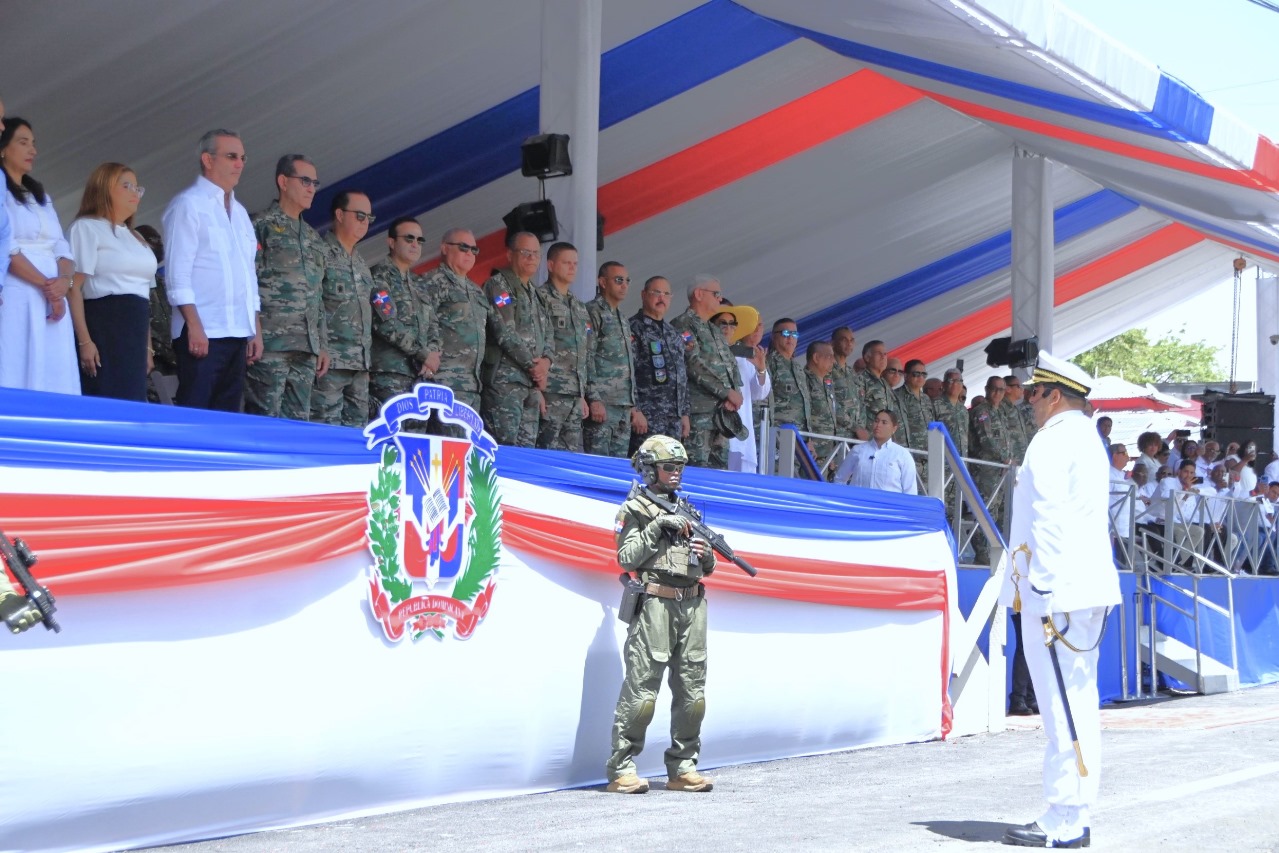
x=1062 y=568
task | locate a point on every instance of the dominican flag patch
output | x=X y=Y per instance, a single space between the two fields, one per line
x=687 y=336
x=382 y=303
x=502 y=299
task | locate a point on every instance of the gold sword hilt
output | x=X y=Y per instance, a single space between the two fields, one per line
x=1023 y=548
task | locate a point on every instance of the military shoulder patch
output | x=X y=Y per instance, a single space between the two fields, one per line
x=502 y=299
x=381 y=300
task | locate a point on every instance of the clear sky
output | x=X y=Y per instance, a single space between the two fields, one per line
x=1225 y=50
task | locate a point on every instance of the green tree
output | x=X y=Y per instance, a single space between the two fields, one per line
x=1136 y=358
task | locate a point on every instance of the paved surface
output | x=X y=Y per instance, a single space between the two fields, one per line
x=1189 y=773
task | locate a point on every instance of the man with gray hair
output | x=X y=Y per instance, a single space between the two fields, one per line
x=290 y=269
x=212 y=281
x=713 y=377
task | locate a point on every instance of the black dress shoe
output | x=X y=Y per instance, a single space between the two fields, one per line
x=1019 y=709
x=1031 y=835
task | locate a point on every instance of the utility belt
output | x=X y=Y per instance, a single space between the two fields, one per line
x=634 y=591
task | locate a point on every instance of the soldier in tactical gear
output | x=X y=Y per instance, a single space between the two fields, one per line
x=16 y=612
x=669 y=628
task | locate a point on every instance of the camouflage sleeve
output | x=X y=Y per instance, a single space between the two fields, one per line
x=394 y=329
x=506 y=337
x=679 y=370
x=701 y=374
x=593 y=343
x=434 y=342
x=260 y=231
x=638 y=540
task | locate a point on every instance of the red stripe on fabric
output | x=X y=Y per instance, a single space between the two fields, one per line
x=845 y=105
x=1265 y=161
x=593 y=549
x=989 y=321
x=831 y=111
x=1262 y=176
x=135 y=543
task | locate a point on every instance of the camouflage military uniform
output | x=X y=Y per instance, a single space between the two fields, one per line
x=467 y=323
x=916 y=412
x=342 y=395
x=611 y=381
x=1027 y=413
x=664 y=633
x=661 y=382
x=1018 y=437
x=290 y=264
x=790 y=397
x=848 y=400
x=876 y=394
x=569 y=330
x=712 y=374
x=405 y=332
x=989 y=440
x=822 y=414
x=162 y=329
x=511 y=405
x=955 y=417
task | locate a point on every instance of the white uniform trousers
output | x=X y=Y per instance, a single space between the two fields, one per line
x=1070 y=797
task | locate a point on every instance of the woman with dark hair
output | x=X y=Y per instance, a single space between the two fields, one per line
x=115 y=271
x=37 y=344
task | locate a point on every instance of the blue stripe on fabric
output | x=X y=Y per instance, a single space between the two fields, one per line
x=59 y=431
x=664 y=62
x=753 y=503
x=1179 y=113
x=959 y=269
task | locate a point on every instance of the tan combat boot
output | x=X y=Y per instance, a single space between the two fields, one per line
x=690 y=781
x=628 y=784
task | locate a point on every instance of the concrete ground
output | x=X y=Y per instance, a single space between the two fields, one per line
x=1193 y=773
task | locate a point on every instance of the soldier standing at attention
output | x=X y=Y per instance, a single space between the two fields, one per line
x=790 y=387
x=467 y=321
x=988 y=440
x=661 y=383
x=290 y=264
x=848 y=396
x=342 y=394
x=822 y=414
x=713 y=377
x=876 y=389
x=511 y=401
x=669 y=628
x=916 y=411
x=406 y=336
x=951 y=411
x=610 y=393
x=570 y=331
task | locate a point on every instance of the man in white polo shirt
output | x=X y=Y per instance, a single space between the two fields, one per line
x=880 y=463
x=211 y=279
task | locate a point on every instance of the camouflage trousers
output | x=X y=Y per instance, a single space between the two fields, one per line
x=613 y=436
x=987 y=481
x=664 y=634
x=705 y=445
x=562 y=427
x=383 y=385
x=341 y=397
x=280 y=385
x=512 y=413
x=659 y=423
x=438 y=427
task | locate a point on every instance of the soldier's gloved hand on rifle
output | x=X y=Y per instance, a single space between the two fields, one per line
x=16 y=612
x=700 y=546
x=673 y=522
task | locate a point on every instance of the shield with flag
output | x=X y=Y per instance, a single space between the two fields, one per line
x=434 y=514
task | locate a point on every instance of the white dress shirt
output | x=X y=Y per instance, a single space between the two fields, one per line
x=209 y=261
x=1059 y=513
x=887 y=467
x=1119 y=504
x=1271 y=474
x=743 y=453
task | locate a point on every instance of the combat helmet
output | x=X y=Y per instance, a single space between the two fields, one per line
x=655 y=449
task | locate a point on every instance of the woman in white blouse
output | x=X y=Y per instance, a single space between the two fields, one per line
x=110 y=302
x=37 y=347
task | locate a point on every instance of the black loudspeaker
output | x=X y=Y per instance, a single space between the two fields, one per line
x=545 y=156
x=535 y=217
x=1240 y=417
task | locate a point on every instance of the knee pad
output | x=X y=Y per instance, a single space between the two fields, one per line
x=697 y=710
x=646 y=708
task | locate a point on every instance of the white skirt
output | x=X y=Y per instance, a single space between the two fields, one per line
x=35 y=353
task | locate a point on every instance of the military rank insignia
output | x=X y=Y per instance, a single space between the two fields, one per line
x=502 y=299
x=382 y=303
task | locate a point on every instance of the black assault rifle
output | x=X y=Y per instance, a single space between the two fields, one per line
x=20 y=560
x=685 y=510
